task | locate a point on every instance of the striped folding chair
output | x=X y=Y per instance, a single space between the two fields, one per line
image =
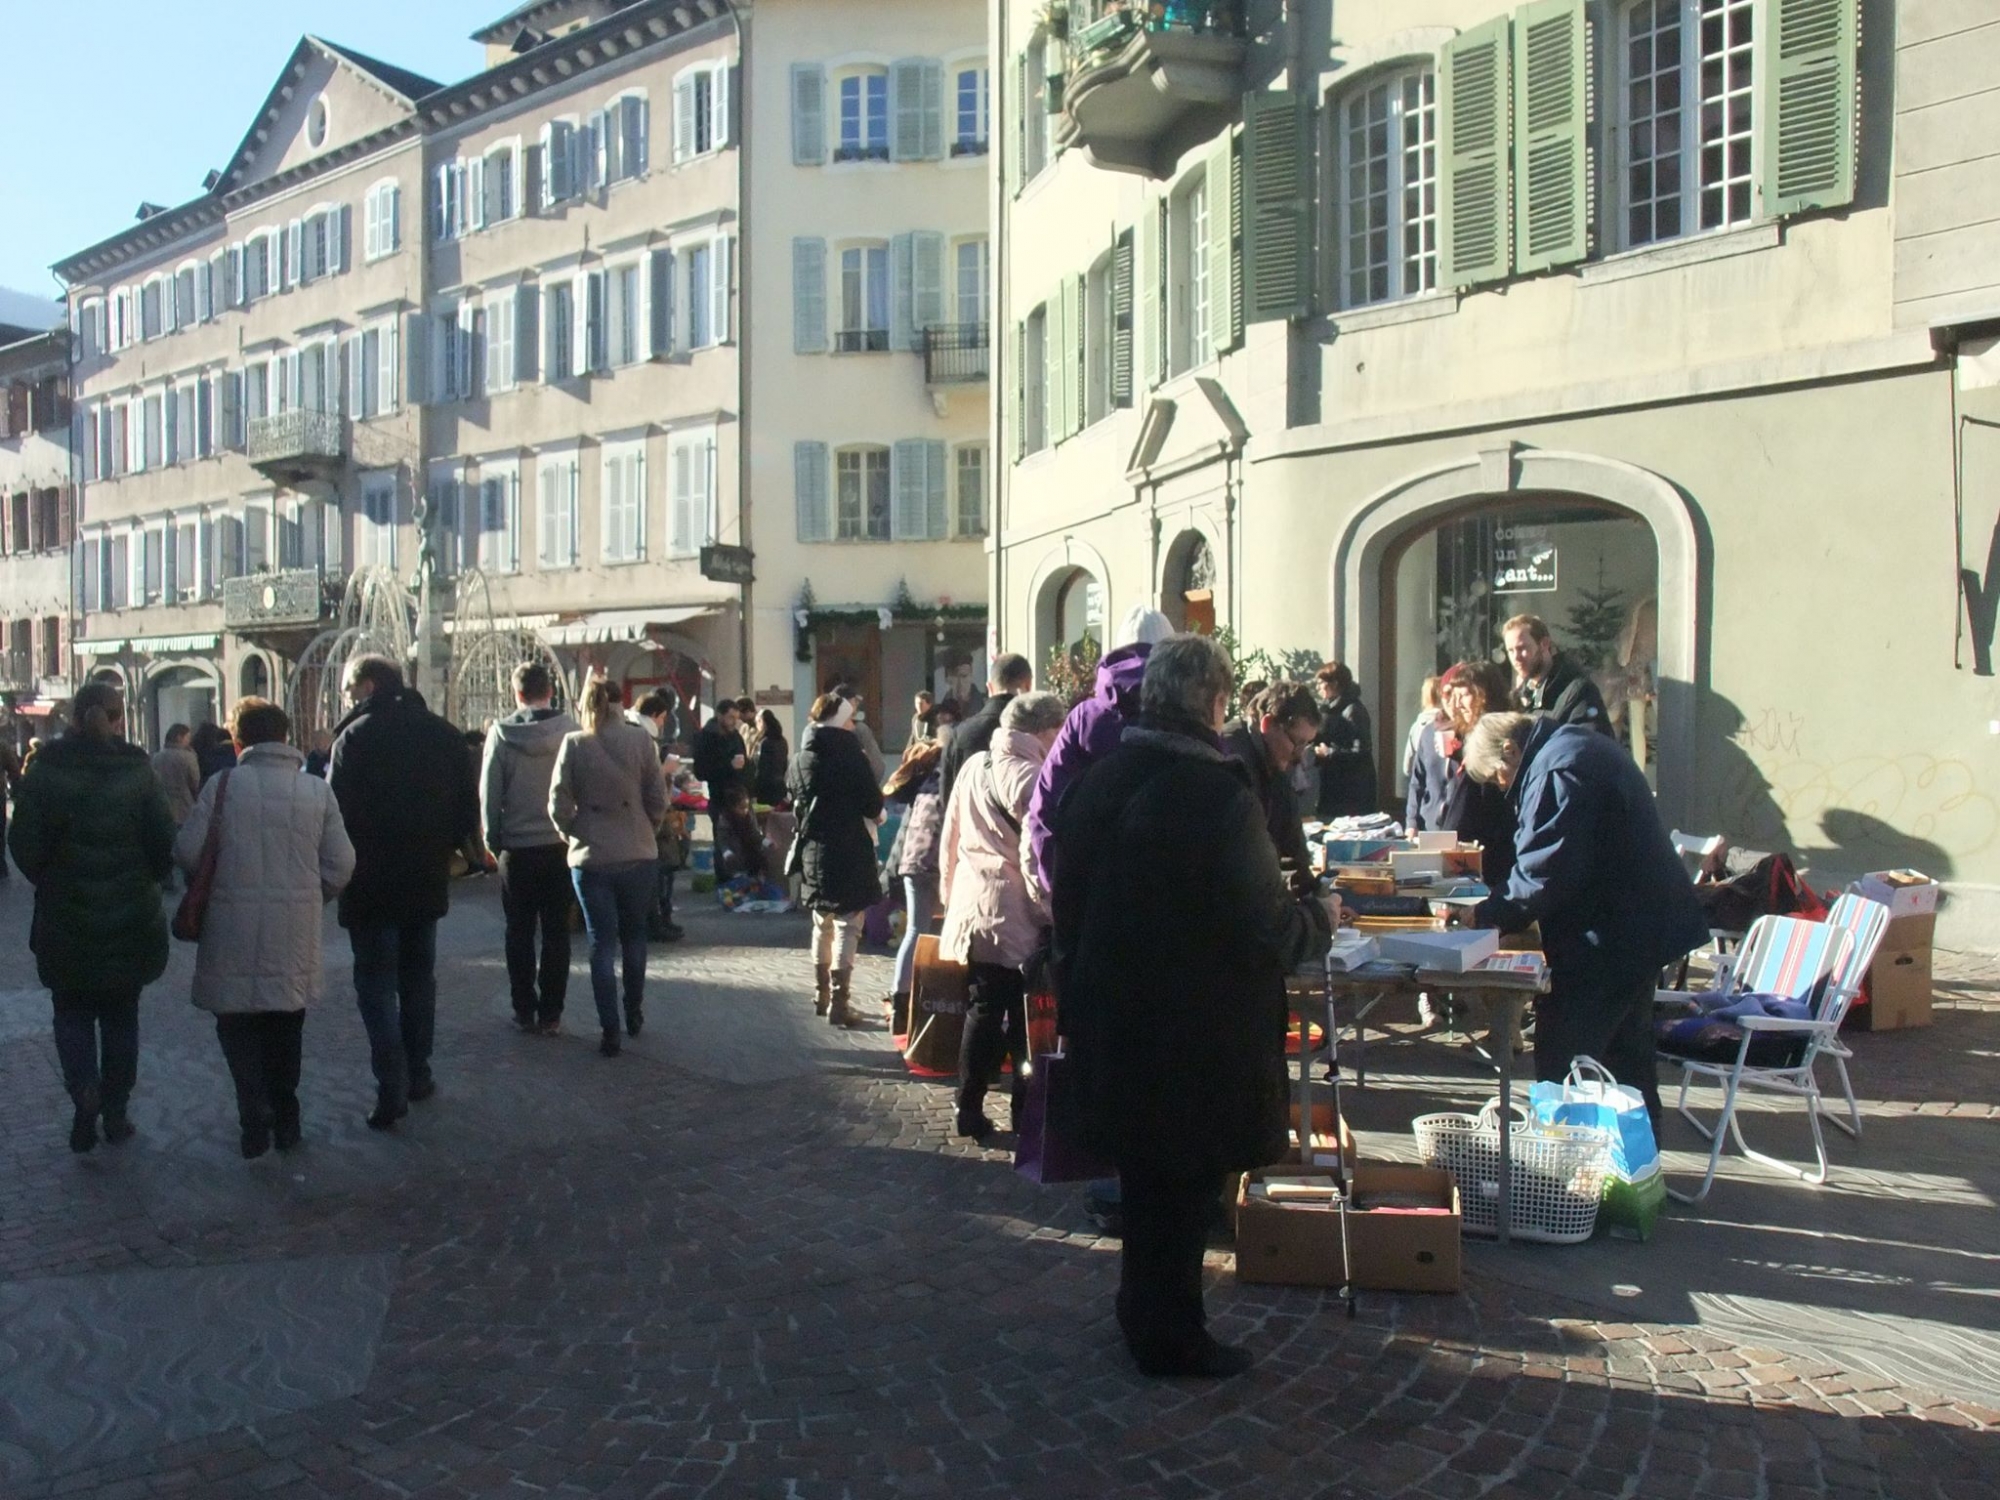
x=1790 y=959
x=1864 y=921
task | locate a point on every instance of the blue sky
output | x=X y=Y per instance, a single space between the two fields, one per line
x=106 y=103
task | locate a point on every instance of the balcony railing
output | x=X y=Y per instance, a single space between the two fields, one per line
x=957 y=354
x=298 y=445
x=1146 y=80
x=267 y=601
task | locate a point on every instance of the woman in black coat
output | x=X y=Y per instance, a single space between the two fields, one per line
x=837 y=804
x=774 y=759
x=1345 y=749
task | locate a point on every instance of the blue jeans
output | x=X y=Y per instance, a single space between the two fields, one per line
x=395 y=985
x=920 y=897
x=616 y=900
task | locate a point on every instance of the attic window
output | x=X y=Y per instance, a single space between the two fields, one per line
x=316 y=124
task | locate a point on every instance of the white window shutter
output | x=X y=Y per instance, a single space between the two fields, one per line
x=204 y=290
x=906 y=491
x=933 y=109
x=808 y=114
x=579 y=324
x=809 y=296
x=371 y=224
x=809 y=465
x=336 y=239
x=906 y=109
x=546 y=146
x=718 y=104
x=595 y=161
x=468 y=350
x=527 y=349
x=414 y=350
x=611 y=509
x=902 y=292
x=683 y=463
x=718 y=289
x=637 y=500
x=294 y=253
x=475 y=193
x=357 y=376
x=684 y=117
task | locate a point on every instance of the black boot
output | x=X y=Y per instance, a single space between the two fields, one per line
x=83 y=1126
x=635 y=1017
x=609 y=1047
x=392 y=1088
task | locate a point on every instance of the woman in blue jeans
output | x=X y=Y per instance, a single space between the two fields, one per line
x=608 y=799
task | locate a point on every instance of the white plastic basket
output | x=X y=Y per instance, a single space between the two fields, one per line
x=1557 y=1179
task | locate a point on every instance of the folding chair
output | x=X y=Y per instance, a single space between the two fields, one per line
x=1694 y=850
x=1791 y=959
x=1865 y=921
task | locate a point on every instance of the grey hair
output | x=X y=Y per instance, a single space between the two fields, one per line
x=385 y=674
x=1487 y=743
x=1184 y=676
x=1034 y=713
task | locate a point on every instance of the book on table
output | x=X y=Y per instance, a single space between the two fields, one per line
x=1453 y=952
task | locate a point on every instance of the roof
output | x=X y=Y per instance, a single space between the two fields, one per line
x=411 y=86
x=27 y=314
x=493 y=30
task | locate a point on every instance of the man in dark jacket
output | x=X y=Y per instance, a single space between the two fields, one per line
x=1174 y=930
x=1012 y=676
x=720 y=760
x=1547 y=682
x=1277 y=727
x=1593 y=866
x=407 y=793
x=535 y=887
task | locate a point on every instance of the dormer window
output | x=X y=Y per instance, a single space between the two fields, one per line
x=316 y=120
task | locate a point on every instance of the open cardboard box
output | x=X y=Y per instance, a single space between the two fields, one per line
x=1412 y=1247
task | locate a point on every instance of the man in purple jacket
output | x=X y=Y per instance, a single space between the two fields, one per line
x=1093 y=727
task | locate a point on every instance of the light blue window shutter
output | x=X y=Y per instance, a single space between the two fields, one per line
x=1551 y=89
x=1150 y=245
x=1807 y=103
x=902 y=292
x=906 y=110
x=416 y=353
x=809 y=296
x=1475 y=131
x=527 y=340
x=808 y=114
x=1224 y=186
x=927 y=296
x=937 y=517
x=933 y=109
x=809 y=466
x=908 y=510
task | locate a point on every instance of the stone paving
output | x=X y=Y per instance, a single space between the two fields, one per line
x=748 y=1259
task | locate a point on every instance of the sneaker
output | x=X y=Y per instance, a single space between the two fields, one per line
x=635 y=1019
x=386 y=1114
x=525 y=1021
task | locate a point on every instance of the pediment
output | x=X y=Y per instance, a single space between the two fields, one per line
x=1199 y=425
x=325 y=98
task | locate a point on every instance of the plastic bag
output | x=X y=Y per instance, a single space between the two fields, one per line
x=1634 y=1190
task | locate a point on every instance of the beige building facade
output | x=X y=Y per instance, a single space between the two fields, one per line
x=1359 y=341
x=37 y=522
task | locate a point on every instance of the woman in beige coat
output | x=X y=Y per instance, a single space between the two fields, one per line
x=608 y=799
x=283 y=854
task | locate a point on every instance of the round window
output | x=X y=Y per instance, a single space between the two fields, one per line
x=316 y=123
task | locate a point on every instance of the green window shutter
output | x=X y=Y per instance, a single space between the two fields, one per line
x=1055 y=339
x=1277 y=208
x=1017 y=426
x=1475 y=128
x=1121 y=319
x=1072 y=355
x=1150 y=244
x=1807 y=105
x=1224 y=187
x=1551 y=186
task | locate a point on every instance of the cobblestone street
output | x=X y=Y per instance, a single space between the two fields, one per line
x=748 y=1259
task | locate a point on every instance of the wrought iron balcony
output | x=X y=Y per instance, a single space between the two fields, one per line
x=957 y=354
x=1147 y=79
x=275 y=601
x=298 y=447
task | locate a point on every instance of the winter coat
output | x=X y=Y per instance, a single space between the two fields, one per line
x=969 y=738
x=1174 y=931
x=835 y=799
x=1433 y=775
x=514 y=778
x=774 y=758
x=994 y=912
x=714 y=749
x=1274 y=793
x=409 y=799
x=916 y=851
x=1347 y=776
x=218 y=758
x=180 y=780
x=609 y=796
x=282 y=855
x=871 y=748
x=1566 y=695
x=1088 y=735
x=91 y=830
x=1593 y=865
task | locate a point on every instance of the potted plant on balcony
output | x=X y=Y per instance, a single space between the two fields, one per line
x=1052 y=17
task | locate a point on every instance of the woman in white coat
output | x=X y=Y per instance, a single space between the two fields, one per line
x=283 y=853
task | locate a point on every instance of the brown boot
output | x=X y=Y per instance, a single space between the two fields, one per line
x=838 y=1016
x=823 y=995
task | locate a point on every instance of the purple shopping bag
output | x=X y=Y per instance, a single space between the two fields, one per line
x=1041 y=1154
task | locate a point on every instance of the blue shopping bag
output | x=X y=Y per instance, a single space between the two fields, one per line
x=1590 y=1097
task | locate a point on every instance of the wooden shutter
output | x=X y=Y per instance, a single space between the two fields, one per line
x=1120 y=318
x=1073 y=297
x=808 y=114
x=1055 y=385
x=809 y=296
x=1807 y=106
x=1551 y=163
x=719 y=91
x=937 y=508
x=927 y=296
x=906 y=110
x=908 y=508
x=1224 y=187
x=527 y=331
x=902 y=292
x=1276 y=208
x=65 y=516
x=933 y=110
x=1150 y=248
x=338 y=229
x=718 y=288
x=660 y=271
x=1474 y=131
x=809 y=465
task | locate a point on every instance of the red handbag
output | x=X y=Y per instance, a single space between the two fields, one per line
x=193 y=910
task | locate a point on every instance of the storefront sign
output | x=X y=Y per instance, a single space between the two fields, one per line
x=727 y=564
x=1524 y=560
x=772 y=697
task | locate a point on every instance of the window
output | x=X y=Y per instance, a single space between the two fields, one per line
x=970 y=288
x=499 y=185
x=381 y=220
x=456 y=346
x=91 y=330
x=1187 y=276
x=627 y=124
x=627 y=318
x=969 y=491
x=153 y=432
x=625 y=503
x=371 y=372
x=861 y=494
x=152 y=565
x=1034 y=417
x=1678 y=178
x=556 y=496
x=377 y=547
x=499 y=521
x=319 y=377
x=1389 y=198
x=184 y=299
x=256 y=537
x=257 y=390
x=186 y=439
x=692 y=456
x=151 y=319
x=1099 y=298
x=560 y=177
x=257 y=260
x=448 y=211
x=864 y=300
x=559 y=322
x=319 y=244
x=707 y=321
x=316 y=123
x=1034 y=96
x=596 y=343
x=971 y=88
x=701 y=111
x=864 y=116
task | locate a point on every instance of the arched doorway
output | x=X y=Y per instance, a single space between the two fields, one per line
x=183 y=694
x=1187 y=588
x=1613 y=505
x=254 y=678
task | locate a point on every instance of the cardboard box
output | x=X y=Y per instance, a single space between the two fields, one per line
x=1458 y=950
x=1912 y=899
x=1899 y=991
x=1394 y=1249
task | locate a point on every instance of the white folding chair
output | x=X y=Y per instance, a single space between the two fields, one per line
x=1694 y=850
x=1865 y=921
x=1798 y=960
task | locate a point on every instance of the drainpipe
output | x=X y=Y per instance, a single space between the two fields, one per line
x=1003 y=461
x=743 y=262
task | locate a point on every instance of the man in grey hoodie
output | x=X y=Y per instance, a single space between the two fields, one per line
x=535 y=888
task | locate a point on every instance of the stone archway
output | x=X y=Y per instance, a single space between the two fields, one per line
x=1053 y=576
x=1189 y=582
x=1388 y=517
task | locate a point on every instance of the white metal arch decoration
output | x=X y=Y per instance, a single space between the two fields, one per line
x=1419 y=500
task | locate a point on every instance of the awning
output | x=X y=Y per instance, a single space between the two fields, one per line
x=159 y=643
x=500 y=622
x=97 y=648
x=623 y=624
x=35 y=710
